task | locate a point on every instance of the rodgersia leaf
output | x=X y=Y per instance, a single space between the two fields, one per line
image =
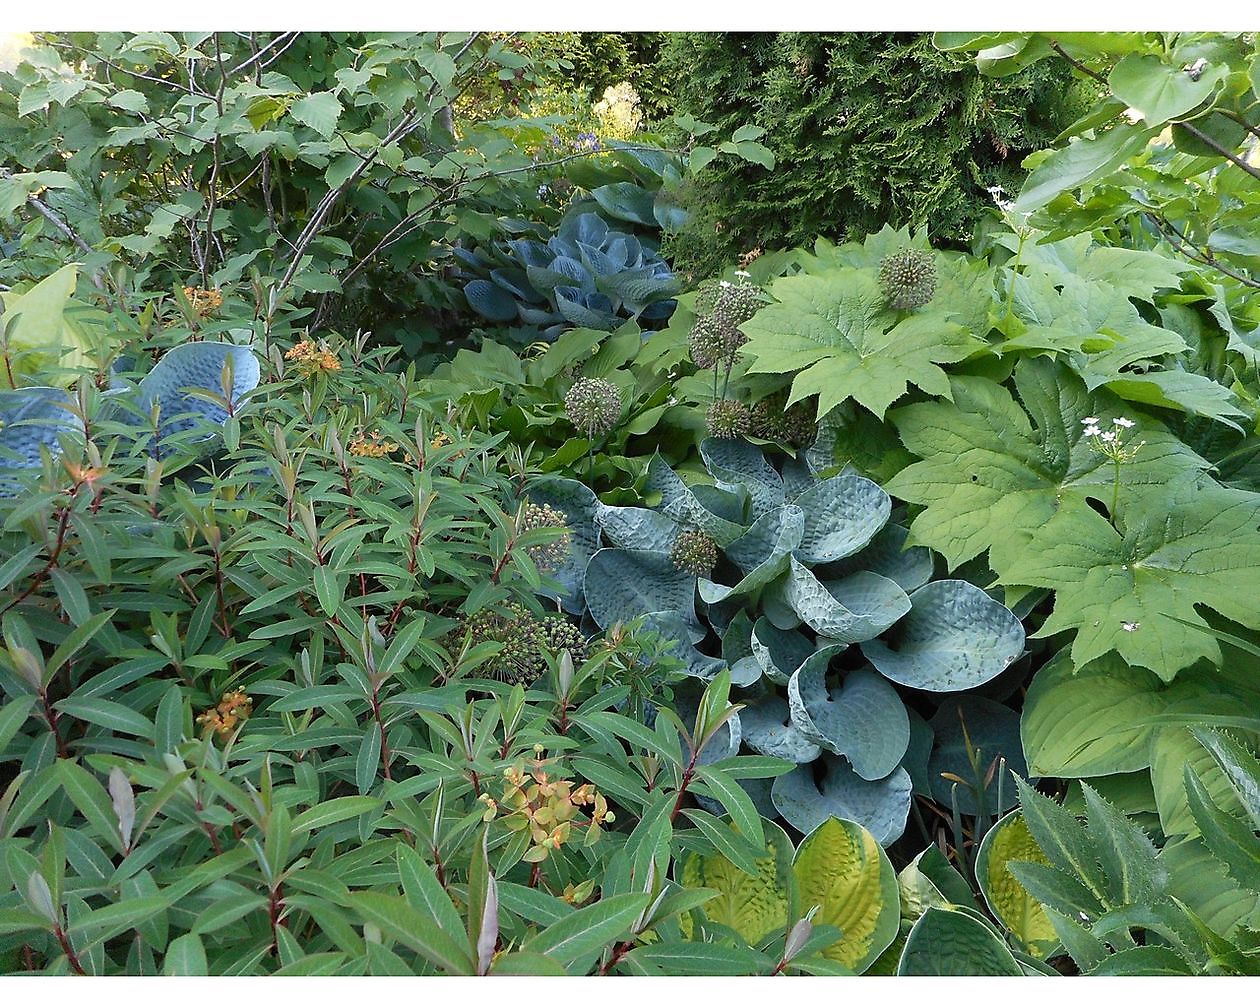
x=994 y=471
x=1133 y=589
x=835 y=330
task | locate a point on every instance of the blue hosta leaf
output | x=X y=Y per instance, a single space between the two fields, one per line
x=768 y=729
x=491 y=301
x=530 y=252
x=622 y=584
x=196 y=367
x=588 y=310
x=679 y=503
x=863 y=719
x=627 y=201
x=762 y=552
x=736 y=464
x=778 y=652
x=955 y=637
x=842 y=515
x=31 y=419
x=886 y=555
x=638 y=288
x=637 y=528
x=562 y=271
x=580 y=505
x=994 y=730
x=853 y=609
x=587 y=228
x=881 y=806
x=515 y=282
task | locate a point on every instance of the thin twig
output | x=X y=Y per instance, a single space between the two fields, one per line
x=1195 y=252
x=57 y=222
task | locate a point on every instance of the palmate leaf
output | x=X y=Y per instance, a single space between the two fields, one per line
x=994 y=471
x=835 y=329
x=1133 y=589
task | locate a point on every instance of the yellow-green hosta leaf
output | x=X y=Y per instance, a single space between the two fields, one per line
x=752 y=905
x=1009 y=840
x=36 y=332
x=841 y=868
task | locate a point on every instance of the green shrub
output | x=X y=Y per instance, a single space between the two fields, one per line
x=867 y=129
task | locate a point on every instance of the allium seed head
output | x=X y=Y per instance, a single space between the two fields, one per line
x=908 y=278
x=593 y=406
x=548 y=556
x=694 y=553
x=727 y=418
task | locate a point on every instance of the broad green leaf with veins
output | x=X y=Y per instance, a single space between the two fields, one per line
x=994 y=471
x=836 y=331
x=1118 y=587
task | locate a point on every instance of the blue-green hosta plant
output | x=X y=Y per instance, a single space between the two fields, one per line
x=587 y=274
x=178 y=407
x=836 y=633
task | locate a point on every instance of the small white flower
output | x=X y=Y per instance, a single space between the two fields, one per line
x=1108 y=436
x=742 y=273
x=1128 y=627
x=1090 y=421
x=1124 y=422
x=724 y=283
x=1092 y=431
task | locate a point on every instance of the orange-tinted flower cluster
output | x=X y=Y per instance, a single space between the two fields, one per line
x=233 y=708
x=204 y=302
x=372 y=446
x=547 y=809
x=310 y=358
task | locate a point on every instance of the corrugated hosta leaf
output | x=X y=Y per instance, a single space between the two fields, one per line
x=679 y=503
x=751 y=905
x=762 y=552
x=842 y=515
x=1133 y=588
x=779 y=652
x=955 y=637
x=881 y=806
x=995 y=471
x=888 y=556
x=31 y=419
x=863 y=719
x=739 y=465
x=851 y=609
x=768 y=729
x=949 y=943
x=835 y=330
x=1009 y=840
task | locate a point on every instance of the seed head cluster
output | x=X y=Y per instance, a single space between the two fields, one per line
x=908 y=278
x=721 y=308
x=547 y=556
x=727 y=418
x=694 y=553
x=593 y=406
x=527 y=641
x=774 y=420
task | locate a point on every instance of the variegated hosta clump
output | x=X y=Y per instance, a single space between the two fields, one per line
x=854 y=662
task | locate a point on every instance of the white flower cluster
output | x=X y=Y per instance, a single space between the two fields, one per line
x=618 y=111
x=1109 y=441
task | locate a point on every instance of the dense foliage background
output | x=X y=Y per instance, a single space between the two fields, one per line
x=580 y=503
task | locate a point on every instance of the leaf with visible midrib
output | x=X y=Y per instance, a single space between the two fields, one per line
x=993 y=471
x=836 y=331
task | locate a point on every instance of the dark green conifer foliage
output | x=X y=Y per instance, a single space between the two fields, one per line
x=867 y=129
